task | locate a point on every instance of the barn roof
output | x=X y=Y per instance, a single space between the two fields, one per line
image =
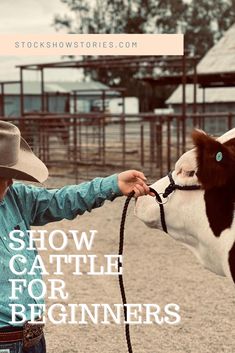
x=33 y=87
x=219 y=59
x=212 y=95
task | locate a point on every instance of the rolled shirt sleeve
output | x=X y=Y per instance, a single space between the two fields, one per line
x=41 y=206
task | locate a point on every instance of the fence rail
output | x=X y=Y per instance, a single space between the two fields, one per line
x=82 y=146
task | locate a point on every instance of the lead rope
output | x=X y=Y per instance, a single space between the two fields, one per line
x=120 y=276
x=171 y=187
x=120 y=252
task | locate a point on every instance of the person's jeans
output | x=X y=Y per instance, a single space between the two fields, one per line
x=17 y=347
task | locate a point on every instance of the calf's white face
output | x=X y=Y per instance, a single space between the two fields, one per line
x=200 y=219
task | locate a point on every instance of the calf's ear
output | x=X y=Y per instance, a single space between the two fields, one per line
x=215 y=161
x=209 y=149
x=201 y=139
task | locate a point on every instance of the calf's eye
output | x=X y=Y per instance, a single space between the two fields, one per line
x=191 y=173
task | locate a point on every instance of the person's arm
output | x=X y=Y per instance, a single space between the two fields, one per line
x=42 y=206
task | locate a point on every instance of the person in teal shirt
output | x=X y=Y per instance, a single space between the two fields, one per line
x=23 y=206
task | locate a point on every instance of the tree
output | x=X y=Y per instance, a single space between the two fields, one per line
x=202 y=21
x=170 y=15
x=78 y=20
x=108 y=16
x=207 y=20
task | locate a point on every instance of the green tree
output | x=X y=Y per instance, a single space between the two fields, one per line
x=202 y=21
x=206 y=22
x=108 y=16
x=170 y=15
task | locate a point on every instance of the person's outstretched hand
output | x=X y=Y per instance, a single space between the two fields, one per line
x=133 y=180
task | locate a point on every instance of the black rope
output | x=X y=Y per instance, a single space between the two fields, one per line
x=171 y=187
x=120 y=253
x=120 y=276
x=162 y=213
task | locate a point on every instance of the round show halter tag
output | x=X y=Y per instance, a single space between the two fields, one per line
x=219 y=156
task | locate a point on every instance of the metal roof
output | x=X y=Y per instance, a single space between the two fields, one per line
x=33 y=87
x=219 y=59
x=212 y=95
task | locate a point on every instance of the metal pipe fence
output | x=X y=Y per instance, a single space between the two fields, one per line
x=82 y=146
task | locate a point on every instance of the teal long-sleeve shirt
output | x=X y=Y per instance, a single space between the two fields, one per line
x=25 y=206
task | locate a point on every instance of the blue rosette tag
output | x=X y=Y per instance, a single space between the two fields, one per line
x=219 y=156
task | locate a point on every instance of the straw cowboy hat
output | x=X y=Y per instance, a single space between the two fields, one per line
x=17 y=160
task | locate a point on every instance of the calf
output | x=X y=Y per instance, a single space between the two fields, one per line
x=201 y=219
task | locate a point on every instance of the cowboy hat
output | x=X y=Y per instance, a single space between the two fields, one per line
x=17 y=160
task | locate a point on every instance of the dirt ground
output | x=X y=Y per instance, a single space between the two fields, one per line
x=156 y=270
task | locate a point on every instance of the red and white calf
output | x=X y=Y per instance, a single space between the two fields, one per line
x=201 y=219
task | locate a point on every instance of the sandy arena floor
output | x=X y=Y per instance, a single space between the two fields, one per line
x=156 y=270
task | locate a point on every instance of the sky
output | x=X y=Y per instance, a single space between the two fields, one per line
x=29 y=16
